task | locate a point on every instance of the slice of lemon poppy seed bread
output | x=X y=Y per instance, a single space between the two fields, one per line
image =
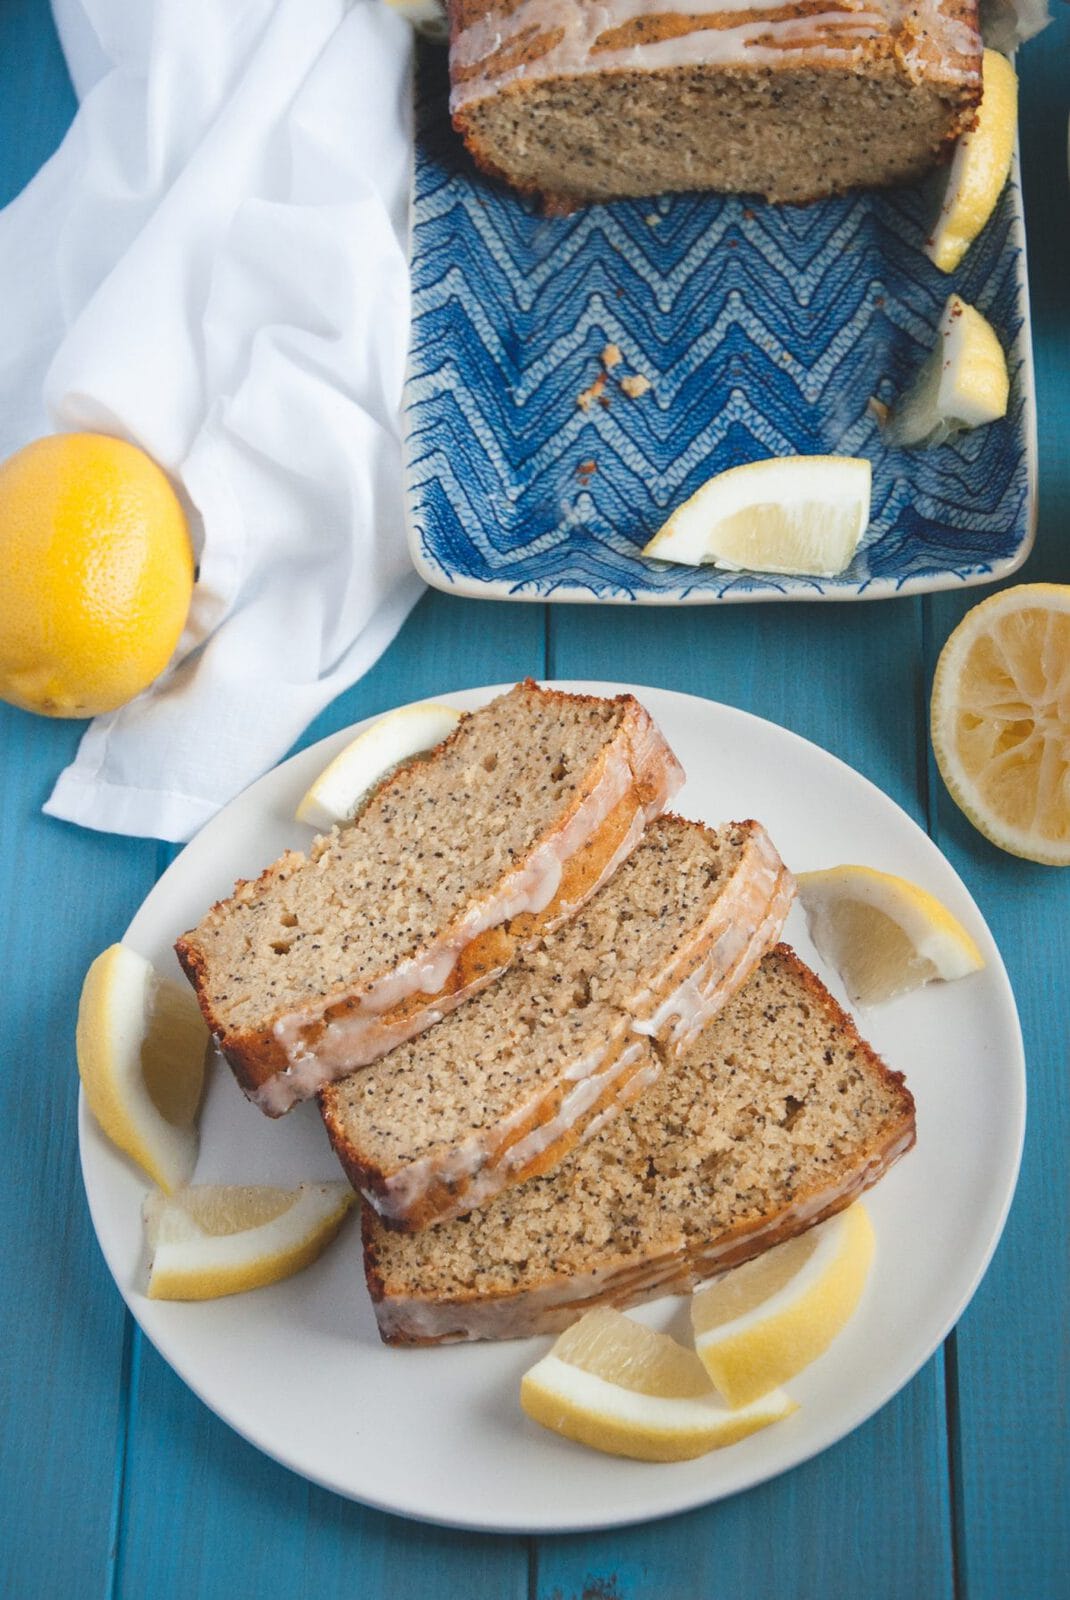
x=579 y=102
x=777 y=1116
x=503 y=1088
x=458 y=861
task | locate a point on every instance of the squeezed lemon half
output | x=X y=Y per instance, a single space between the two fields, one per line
x=1000 y=719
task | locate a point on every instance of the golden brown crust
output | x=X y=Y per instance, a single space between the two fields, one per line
x=943 y=63
x=663 y=25
x=527 y=47
x=466 y=1317
x=906 y=38
x=445 y=1198
x=257 y=1056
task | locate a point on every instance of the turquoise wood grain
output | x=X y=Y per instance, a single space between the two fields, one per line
x=38 y=101
x=446 y=644
x=198 y=1512
x=64 y=896
x=1011 y=1392
x=866 y=1519
x=847 y=677
x=207 y=1517
x=241 y=1514
x=829 y=672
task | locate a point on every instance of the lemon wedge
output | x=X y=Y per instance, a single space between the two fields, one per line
x=427 y=16
x=612 y=1384
x=763 y=1322
x=141 y=1044
x=343 y=786
x=218 y=1239
x=884 y=935
x=979 y=166
x=962 y=384
x=1000 y=719
x=790 y=514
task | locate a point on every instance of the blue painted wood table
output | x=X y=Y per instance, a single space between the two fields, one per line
x=115 y=1480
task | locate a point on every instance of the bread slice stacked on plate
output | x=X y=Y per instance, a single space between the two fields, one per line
x=458 y=862
x=556 y=1045
x=775 y=1117
x=577 y=1028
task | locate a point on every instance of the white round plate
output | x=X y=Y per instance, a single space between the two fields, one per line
x=298 y=1369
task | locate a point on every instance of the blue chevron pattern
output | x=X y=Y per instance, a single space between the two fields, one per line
x=764 y=331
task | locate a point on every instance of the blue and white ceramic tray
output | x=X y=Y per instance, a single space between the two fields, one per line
x=764 y=331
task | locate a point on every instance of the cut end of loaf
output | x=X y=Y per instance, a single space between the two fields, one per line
x=794 y=101
x=789 y=136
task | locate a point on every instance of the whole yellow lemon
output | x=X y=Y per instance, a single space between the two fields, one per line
x=98 y=574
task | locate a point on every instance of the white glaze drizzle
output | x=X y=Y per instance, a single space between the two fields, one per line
x=945 y=47
x=554 y=1305
x=317 y=1054
x=744 y=922
x=486 y=1161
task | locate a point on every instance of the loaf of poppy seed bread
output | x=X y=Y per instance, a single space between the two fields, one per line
x=457 y=862
x=777 y=1116
x=504 y=1087
x=578 y=102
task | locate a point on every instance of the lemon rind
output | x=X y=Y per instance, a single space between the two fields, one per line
x=331 y=800
x=726 y=495
x=751 y=1356
x=590 y=1410
x=108 y=1035
x=958 y=224
x=935 y=932
x=194 y=1265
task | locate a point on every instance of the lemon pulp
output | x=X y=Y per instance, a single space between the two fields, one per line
x=788 y=514
x=219 y=1239
x=979 y=166
x=763 y=1322
x=141 y=1045
x=617 y=1387
x=883 y=934
x=1000 y=720
x=962 y=384
x=344 y=785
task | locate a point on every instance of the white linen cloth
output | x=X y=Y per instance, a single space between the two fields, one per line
x=214 y=265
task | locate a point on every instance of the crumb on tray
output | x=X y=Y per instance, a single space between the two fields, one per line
x=585 y=400
x=635 y=386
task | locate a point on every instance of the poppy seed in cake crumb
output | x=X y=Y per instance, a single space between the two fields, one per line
x=778 y=107
x=734 y=1169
